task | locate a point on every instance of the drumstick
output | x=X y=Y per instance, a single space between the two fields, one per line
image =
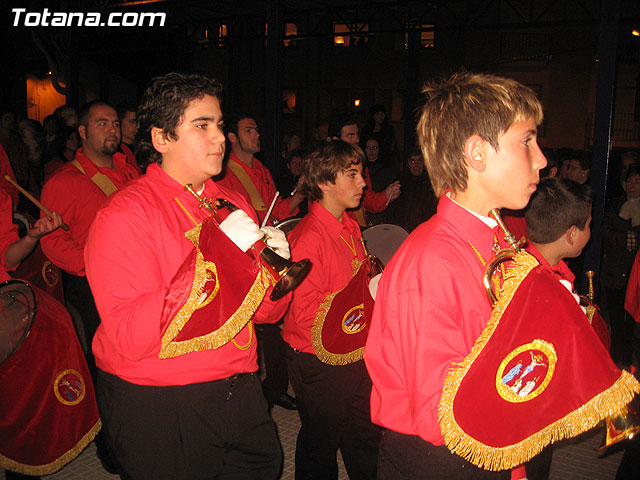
x=35 y=201
x=264 y=222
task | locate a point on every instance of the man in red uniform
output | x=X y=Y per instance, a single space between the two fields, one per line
x=128 y=130
x=245 y=174
x=346 y=129
x=78 y=190
x=328 y=320
x=177 y=296
x=430 y=305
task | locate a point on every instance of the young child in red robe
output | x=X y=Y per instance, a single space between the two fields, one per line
x=328 y=321
x=558 y=226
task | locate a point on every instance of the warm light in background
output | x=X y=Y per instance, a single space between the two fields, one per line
x=42 y=98
x=49 y=73
x=356 y=102
x=635 y=33
x=338 y=40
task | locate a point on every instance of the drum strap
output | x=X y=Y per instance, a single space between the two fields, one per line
x=103 y=182
x=256 y=199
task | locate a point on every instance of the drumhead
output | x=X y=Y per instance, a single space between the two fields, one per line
x=383 y=240
x=288 y=225
x=17 y=311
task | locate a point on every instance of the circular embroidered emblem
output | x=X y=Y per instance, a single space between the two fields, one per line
x=69 y=387
x=526 y=372
x=354 y=320
x=50 y=273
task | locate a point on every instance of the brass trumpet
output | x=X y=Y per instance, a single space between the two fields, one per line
x=288 y=273
x=375 y=264
x=501 y=256
x=590 y=297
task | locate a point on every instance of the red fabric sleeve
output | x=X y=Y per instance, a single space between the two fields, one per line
x=65 y=248
x=632 y=299
x=128 y=287
x=373 y=202
x=8 y=231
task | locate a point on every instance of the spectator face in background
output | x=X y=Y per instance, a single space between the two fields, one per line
x=69 y=116
x=50 y=126
x=350 y=134
x=8 y=121
x=73 y=142
x=129 y=127
x=372 y=150
x=416 y=165
x=564 y=169
x=633 y=186
x=295 y=165
x=576 y=171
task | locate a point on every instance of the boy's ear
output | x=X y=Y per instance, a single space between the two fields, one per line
x=232 y=137
x=324 y=187
x=159 y=140
x=475 y=149
x=571 y=234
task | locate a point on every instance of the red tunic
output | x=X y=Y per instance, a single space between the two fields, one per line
x=318 y=238
x=77 y=199
x=8 y=233
x=430 y=309
x=5 y=169
x=134 y=249
x=265 y=185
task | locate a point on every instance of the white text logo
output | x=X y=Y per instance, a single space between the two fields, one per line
x=88 y=19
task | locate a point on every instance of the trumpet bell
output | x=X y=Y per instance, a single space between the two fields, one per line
x=623 y=426
x=289 y=273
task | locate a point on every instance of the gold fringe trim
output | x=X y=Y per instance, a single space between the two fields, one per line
x=231 y=327
x=316 y=331
x=606 y=403
x=49 y=468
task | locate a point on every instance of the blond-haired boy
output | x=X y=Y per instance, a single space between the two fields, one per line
x=478 y=135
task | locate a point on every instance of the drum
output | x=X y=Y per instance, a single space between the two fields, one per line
x=288 y=225
x=383 y=240
x=47 y=400
x=17 y=310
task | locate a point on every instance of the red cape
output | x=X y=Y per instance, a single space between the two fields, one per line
x=537 y=374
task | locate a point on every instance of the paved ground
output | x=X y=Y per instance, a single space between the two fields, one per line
x=574 y=459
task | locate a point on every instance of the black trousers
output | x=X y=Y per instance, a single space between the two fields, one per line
x=622 y=327
x=333 y=403
x=276 y=381
x=405 y=457
x=78 y=293
x=213 y=430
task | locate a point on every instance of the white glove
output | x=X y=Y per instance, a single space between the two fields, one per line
x=277 y=240
x=242 y=231
x=373 y=285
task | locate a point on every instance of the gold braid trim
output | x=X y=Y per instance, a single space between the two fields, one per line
x=606 y=403
x=316 y=331
x=61 y=461
x=231 y=326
